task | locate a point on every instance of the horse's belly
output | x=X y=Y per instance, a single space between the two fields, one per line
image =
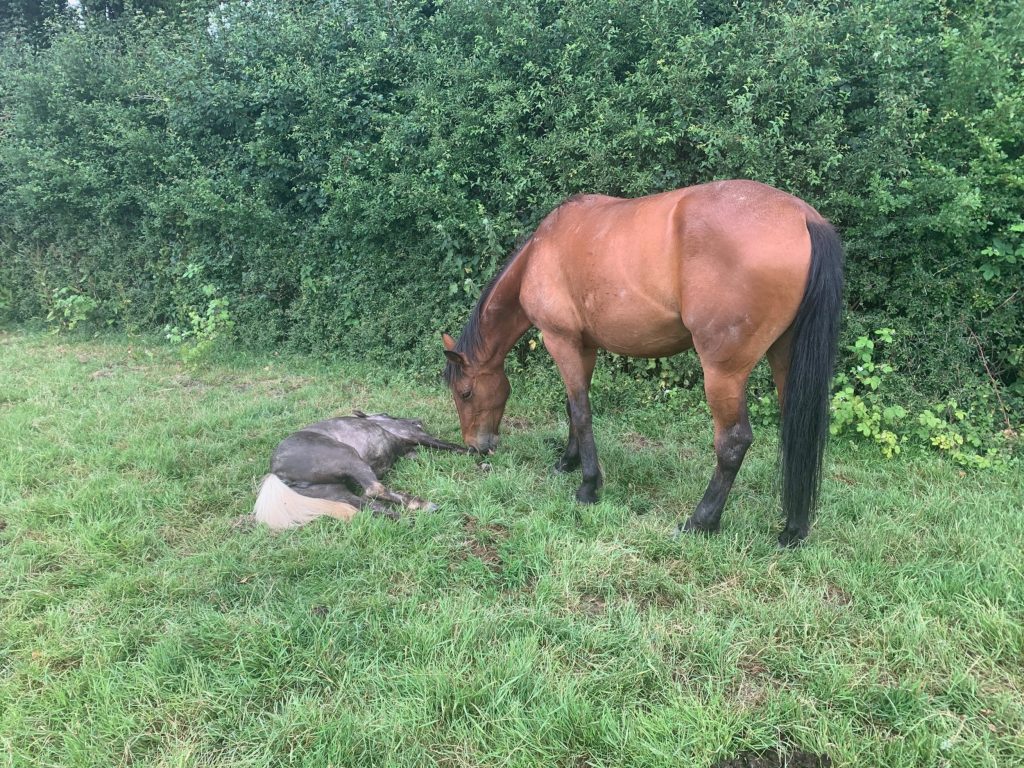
x=661 y=337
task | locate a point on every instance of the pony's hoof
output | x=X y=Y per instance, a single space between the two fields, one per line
x=791 y=538
x=586 y=495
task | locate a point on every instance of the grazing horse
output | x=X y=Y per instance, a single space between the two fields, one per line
x=334 y=468
x=735 y=269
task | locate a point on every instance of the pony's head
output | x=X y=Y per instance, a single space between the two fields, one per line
x=480 y=394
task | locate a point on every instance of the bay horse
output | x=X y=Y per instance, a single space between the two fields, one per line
x=737 y=270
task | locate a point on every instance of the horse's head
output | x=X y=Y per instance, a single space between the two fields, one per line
x=480 y=394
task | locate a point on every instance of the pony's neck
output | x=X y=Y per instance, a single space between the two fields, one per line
x=502 y=321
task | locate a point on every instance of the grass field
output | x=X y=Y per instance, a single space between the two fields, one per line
x=510 y=627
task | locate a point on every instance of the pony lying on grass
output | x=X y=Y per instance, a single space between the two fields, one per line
x=334 y=467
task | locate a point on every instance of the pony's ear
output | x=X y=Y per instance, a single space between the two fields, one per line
x=449 y=342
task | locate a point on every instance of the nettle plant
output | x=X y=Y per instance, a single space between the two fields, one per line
x=207 y=314
x=859 y=406
x=69 y=307
x=858 y=403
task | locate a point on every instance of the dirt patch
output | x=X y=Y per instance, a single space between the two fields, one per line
x=518 y=423
x=243 y=524
x=636 y=441
x=658 y=598
x=279 y=386
x=752 y=666
x=837 y=596
x=773 y=758
x=748 y=694
x=590 y=605
x=482 y=541
x=184 y=381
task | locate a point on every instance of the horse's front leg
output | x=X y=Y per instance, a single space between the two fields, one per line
x=576 y=365
x=570 y=459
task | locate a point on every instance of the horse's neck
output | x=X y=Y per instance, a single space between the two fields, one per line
x=502 y=319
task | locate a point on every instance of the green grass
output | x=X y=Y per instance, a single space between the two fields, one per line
x=510 y=627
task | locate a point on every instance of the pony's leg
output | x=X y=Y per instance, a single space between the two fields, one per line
x=316 y=465
x=442 y=445
x=576 y=365
x=408 y=501
x=362 y=474
x=726 y=395
x=338 y=492
x=570 y=459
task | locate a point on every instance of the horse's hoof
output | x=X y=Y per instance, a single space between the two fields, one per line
x=430 y=507
x=564 y=467
x=586 y=495
x=791 y=539
x=694 y=526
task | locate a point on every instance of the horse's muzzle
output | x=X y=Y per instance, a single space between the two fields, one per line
x=485 y=444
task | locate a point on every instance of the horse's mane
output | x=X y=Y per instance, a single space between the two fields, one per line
x=471 y=338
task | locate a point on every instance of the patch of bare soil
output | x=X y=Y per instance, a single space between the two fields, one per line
x=518 y=423
x=244 y=524
x=773 y=758
x=482 y=541
x=589 y=605
x=636 y=441
x=837 y=595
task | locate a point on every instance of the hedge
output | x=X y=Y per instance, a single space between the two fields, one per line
x=345 y=176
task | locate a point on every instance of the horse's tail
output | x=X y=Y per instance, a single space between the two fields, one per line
x=279 y=507
x=806 y=398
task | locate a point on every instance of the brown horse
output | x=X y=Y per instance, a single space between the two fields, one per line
x=735 y=269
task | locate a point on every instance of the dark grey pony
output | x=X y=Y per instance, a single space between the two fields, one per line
x=334 y=468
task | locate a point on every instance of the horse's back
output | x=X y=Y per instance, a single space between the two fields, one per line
x=652 y=276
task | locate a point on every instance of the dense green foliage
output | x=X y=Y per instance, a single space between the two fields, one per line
x=346 y=175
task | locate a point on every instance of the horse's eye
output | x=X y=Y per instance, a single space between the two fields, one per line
x=466 y=395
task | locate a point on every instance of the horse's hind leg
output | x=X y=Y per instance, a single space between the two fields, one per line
x=778 y=356
x=726 y=395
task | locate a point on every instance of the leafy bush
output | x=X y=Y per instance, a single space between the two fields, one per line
x=863 y=404
x=348 y=175
x=69 y=308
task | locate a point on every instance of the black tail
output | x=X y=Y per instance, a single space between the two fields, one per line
x=805 y=412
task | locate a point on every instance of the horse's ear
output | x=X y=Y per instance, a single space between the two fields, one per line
x=456 y=358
